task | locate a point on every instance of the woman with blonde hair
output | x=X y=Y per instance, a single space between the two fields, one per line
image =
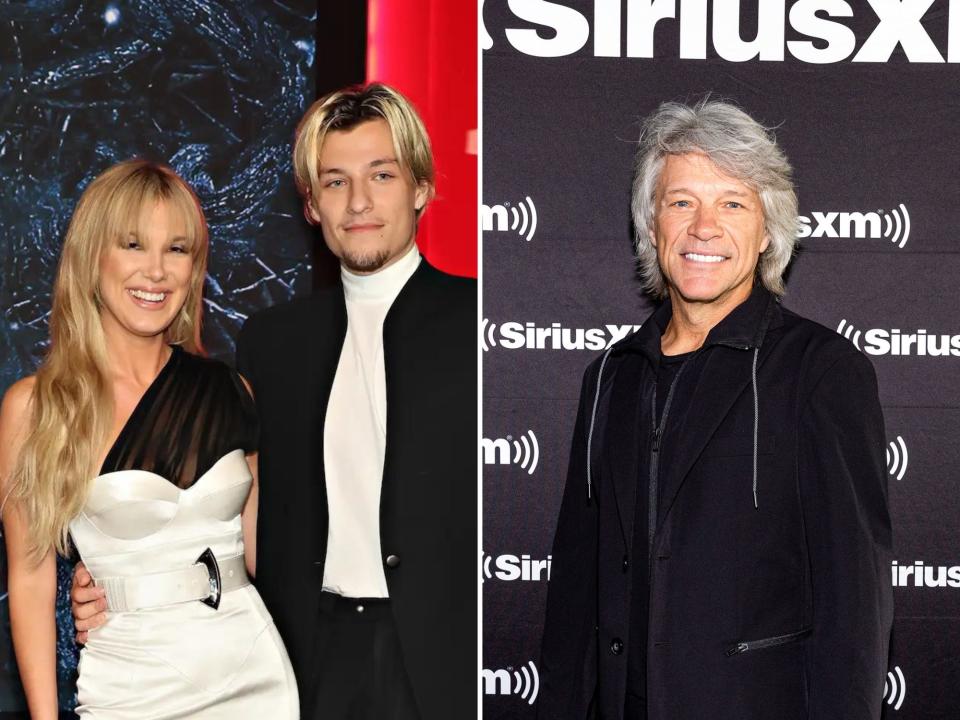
x=133 y=445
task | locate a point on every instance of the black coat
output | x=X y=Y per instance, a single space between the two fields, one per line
x=808 y=566
x=428 y=503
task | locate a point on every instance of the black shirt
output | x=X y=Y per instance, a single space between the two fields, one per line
x=635 y=708
x=669 y=366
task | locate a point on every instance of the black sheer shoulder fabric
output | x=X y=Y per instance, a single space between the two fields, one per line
x=196 y=411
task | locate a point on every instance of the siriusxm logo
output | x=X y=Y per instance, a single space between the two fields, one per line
x=893 y=225
x=565 y=30
x=516 y=335
x=878 y=341
x=524 y=452
x=524 y=682
x=897 y=458
x=512 y=567
x=519 y=218
x=920 y=575
x=895 y=688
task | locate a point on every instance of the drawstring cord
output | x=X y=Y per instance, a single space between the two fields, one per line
x=593 y=418
x=756 y=423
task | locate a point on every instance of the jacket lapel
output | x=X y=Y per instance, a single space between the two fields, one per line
x=320 y=355
x=725 y=376
x=415 y=302
x=322 y=347
x=623 y=441
x=406 y=337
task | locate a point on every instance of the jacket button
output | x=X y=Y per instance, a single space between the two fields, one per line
x=616 y=646
x=393 y=560
x=626 y=563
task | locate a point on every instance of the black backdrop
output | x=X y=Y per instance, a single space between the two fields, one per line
x=864 y=97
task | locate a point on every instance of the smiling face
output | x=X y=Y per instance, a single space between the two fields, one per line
x=708 y=231
x=367 y=201
x=145 y=275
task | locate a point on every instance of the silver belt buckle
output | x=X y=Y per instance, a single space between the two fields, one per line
x=209 y=560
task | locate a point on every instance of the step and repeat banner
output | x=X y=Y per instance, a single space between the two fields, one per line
x=864 y=98
x=212 y=88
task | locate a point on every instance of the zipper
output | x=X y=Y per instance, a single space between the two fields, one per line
x=653 y=495
x=652 y=489
x=749 y=645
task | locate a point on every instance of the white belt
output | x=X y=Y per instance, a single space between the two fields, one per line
x=206 y=580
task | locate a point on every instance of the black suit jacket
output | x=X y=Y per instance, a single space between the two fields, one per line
x=769 y=589
x=428 y=506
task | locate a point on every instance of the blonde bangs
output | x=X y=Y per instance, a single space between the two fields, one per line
x=130 y=203
x=126 y=210
x=308 y=139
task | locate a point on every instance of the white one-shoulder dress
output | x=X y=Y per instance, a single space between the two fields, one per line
x=172 y=489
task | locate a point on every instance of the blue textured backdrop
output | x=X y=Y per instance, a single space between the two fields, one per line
x=214 y=89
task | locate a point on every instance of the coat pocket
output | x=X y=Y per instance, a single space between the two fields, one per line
x=749 y=645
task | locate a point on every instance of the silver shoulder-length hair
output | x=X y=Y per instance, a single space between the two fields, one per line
x=742 y=148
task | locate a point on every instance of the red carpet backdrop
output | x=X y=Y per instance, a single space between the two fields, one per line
x=428 y=50
x=864 y=100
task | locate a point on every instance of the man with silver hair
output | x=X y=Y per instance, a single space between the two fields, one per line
x=724 y=538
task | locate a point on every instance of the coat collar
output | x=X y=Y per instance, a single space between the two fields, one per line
x=319 y=357
x=424 y=276
x=724 y=377
x=320 y=350
x=745 y=327
x=415 y=297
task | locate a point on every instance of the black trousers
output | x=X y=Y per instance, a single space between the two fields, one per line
x=359 y=664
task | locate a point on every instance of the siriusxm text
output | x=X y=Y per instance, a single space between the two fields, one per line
x=841 y=225
x=920 y=575
x=877 y=341
x=512 y=567
x=827 y=38
x=516 y=335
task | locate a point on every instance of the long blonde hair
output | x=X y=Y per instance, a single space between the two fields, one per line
x=72 y=400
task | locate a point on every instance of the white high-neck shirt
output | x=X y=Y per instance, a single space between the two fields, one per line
x=355 y=434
